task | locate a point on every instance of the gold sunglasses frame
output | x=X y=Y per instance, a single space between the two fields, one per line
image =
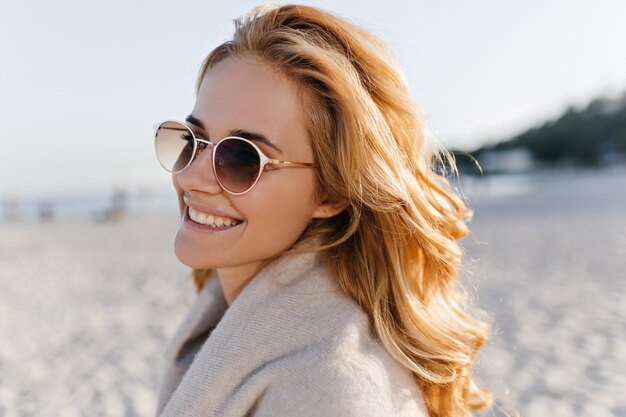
x=200 y=144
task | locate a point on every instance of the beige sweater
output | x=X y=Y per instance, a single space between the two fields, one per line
x=290 y=345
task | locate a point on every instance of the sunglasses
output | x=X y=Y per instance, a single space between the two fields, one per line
x=237 y=162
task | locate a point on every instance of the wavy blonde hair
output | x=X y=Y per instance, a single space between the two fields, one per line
x=394 y=248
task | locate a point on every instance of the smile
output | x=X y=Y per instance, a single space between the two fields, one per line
x=211 y=220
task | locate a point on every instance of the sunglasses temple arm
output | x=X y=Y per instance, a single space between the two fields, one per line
x=277 y=162
x=160 y=125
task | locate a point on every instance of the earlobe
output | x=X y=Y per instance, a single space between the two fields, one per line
x=329 y=208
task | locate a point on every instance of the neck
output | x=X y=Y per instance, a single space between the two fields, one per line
x=235 y=278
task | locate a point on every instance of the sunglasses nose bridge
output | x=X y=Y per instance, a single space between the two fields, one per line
x=200 y=175
x=201 y=145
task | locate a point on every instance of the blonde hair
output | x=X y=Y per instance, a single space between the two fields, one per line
x=394 y=248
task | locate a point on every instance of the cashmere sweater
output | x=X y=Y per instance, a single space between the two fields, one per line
x=291 y=344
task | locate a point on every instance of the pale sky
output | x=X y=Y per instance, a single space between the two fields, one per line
x=82 y=83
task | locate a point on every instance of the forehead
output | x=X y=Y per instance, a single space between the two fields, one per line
x=247 y=94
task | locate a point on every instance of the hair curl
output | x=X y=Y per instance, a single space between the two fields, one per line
x=394 y=248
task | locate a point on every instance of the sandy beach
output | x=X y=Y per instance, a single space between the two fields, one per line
x=550 y=264
x=86 y=307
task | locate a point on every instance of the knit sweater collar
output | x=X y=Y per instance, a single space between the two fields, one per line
x=260 y=325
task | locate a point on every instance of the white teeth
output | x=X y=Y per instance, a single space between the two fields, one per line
x=210 y=220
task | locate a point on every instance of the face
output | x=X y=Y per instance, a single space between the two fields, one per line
x=238 y=94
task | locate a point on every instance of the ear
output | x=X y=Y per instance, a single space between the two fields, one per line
x=329 y=208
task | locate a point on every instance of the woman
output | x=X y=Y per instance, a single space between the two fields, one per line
x=322 y=240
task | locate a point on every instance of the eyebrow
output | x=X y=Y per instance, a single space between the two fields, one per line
x=255 y=137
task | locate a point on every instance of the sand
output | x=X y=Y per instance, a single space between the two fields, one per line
x=86 y=308
x=551 y=266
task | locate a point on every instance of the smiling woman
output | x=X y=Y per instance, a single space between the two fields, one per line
x=322 y=241
x=278 y=204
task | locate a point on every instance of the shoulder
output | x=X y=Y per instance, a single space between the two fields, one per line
x=348 y=374
x=307 y=349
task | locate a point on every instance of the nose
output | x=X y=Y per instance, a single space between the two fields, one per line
x=199 y=175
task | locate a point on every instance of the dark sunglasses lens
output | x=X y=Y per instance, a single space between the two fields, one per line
x=236 y=164
x=174 y=146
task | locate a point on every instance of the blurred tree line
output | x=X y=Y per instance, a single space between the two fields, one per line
x=591 y=136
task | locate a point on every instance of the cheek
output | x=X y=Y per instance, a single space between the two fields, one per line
x=282 y=209
x=179 y=193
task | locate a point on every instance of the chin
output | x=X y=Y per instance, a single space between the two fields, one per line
x=192 y=256
x=186 y=260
